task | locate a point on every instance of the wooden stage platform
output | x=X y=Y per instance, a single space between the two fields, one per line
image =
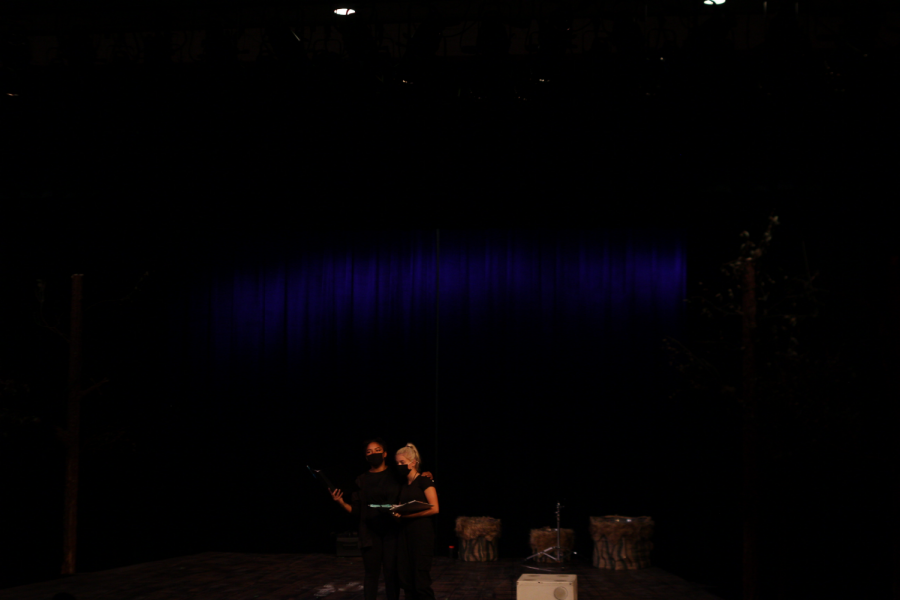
x=232 y=576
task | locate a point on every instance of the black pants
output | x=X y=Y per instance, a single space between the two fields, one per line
x=380 y=557
x=415 y=553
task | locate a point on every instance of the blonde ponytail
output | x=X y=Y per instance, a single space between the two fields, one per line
x=412 y=455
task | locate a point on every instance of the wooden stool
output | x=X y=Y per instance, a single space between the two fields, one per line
x=622 y=543
x=544 y=538
x=477 y=538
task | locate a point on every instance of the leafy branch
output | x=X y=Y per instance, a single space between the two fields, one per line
x=799 y=387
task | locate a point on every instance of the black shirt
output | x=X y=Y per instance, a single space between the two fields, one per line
x=418 y=531
x=375 y=488
x=416 y=491
x=381 y=488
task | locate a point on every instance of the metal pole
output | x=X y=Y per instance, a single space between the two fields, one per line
x=892 y=361
x=437 y=326
x=70 y=508
x=558 y=537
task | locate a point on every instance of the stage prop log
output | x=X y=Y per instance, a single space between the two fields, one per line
x=622 y=543
x=477 y=538
x=544 y=538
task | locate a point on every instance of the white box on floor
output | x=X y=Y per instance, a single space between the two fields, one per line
x=547 y=586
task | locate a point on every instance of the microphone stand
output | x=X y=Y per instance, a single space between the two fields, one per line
x=557 y=548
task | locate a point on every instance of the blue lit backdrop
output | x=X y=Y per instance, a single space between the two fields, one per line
x=292 y=348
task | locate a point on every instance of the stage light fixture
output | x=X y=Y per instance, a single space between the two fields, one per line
x=220 y=43
x=422 y=46
x=285 y=42
x=555 y=34
x=492 y=40
x=357 y=36
x=713 y=2
x=77 y=49
x=426 y=40
x=158 y=48
x=555 y=39
x=783 y=6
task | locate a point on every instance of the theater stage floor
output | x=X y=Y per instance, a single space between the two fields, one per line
x=231 y=576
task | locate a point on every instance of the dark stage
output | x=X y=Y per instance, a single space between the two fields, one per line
x=507 y=242
x=233 y=576
x=200 y=441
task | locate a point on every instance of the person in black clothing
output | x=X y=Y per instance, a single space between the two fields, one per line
x=379 y=488
x=415 y=543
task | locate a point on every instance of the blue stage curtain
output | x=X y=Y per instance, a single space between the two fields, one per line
x=292 y=348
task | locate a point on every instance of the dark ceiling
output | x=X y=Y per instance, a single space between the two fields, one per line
x=611 y=135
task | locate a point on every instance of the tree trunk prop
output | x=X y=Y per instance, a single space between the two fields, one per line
x=478 y=538
x=541 y=539
x=622 y=543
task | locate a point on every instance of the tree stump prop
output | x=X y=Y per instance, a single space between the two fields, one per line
x=477 y=538
x=622 y=543
x=544 y=538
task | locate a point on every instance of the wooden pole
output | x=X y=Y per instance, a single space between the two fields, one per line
x=72 y=429
x=751 y=480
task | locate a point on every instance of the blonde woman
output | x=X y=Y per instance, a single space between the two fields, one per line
x=415 y=544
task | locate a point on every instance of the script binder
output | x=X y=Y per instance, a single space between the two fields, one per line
x=320 y=477
x=410 y=507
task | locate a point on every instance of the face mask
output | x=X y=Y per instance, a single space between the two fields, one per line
x=402 y=470
x=375 y=459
